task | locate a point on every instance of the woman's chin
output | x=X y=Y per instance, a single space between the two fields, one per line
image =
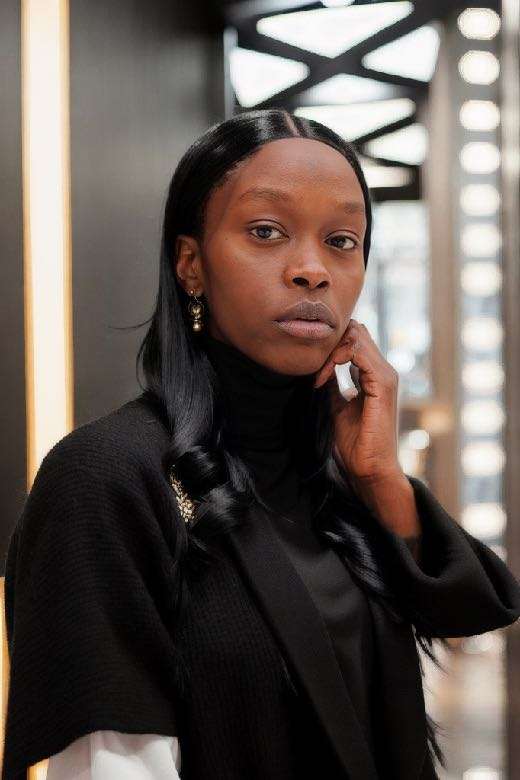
x=301 y=361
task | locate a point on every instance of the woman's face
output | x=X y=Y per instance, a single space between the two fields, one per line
x=286 y=226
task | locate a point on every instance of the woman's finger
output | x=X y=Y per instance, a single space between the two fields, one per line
x=354 y=373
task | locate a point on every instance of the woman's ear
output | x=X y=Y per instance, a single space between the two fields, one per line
x=188 y=266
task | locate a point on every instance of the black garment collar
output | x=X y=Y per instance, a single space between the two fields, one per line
x=258 y=396
x=257 y=400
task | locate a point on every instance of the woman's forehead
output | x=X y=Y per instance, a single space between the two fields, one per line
x=290 y=167
x=287 y=159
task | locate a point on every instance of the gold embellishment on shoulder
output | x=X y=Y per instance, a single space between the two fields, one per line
x=186 y=505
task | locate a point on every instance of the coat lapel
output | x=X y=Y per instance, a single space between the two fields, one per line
x=400 y=708
x=298 y=625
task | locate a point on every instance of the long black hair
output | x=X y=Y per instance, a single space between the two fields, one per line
x=181 y=383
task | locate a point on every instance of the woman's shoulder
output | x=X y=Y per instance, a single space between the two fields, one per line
x=106 y=471
x=132 y=433
x=89 y=578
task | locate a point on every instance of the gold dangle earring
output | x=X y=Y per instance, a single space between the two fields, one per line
x=195 y=309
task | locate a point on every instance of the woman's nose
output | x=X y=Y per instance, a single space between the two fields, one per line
x=311 y=273
x=311 y=280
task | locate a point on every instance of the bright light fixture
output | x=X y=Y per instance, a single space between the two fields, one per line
x=403 y=360
x=366 y=312
x=257 y=76
x=408 y=145
x=481 y=772
x=384 y=175
x=480 y=157
x=479 y=67
x=483 y=458
x=413 y=55
x=332 y=31
x=479 y=115
x=358 y=119
x=479 y=200
x=46 y=211
x=484 y=520
x=394 y=277
x=480 y=240
x=481 y=333
x=481 y=278
x=479 y=23
x=336 y=3
x=484 y=643
x=419 y=335
x=344 y=88
x=483 y=376
x=486 y=772
x=418 y=439
x=483 y=417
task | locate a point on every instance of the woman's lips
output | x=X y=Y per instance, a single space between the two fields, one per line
x=307 y=329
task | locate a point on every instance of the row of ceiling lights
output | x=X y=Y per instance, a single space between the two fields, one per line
x=354 y=106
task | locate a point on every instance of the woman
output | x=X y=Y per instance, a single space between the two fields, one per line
x=232 y=569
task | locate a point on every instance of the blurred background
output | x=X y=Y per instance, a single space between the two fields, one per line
x=99 y=100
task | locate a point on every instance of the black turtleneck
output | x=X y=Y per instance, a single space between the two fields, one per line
x=257 y=400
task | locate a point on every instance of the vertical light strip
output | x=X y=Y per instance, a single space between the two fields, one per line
x=483 y=457
x=47 y=240
x=45 y=133
x=510 y=103
x=483 y=414
x=4 y=666
x=46 y=233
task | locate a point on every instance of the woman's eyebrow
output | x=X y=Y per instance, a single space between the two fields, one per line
x=270 y=193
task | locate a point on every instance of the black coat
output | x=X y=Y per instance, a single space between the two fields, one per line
x=472 y=592
x=89 y=586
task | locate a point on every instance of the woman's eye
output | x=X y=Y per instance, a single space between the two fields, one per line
x=264 y=228
x=344 y=238
x=268 y=233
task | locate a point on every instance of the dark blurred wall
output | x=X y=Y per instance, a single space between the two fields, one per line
x=12 y=381
x=146 y=80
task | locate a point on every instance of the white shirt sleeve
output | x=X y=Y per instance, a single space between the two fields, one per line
x=102 y=755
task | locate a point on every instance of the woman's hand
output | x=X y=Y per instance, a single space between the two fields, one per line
x=365 y=427
x=365 y=434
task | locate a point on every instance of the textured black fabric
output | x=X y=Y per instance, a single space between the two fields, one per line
x=258 y=404
x=87 y=589
x=91 y=643
x=256 y=401
x=89 y=585
x=236 y=714
x=343 y=607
